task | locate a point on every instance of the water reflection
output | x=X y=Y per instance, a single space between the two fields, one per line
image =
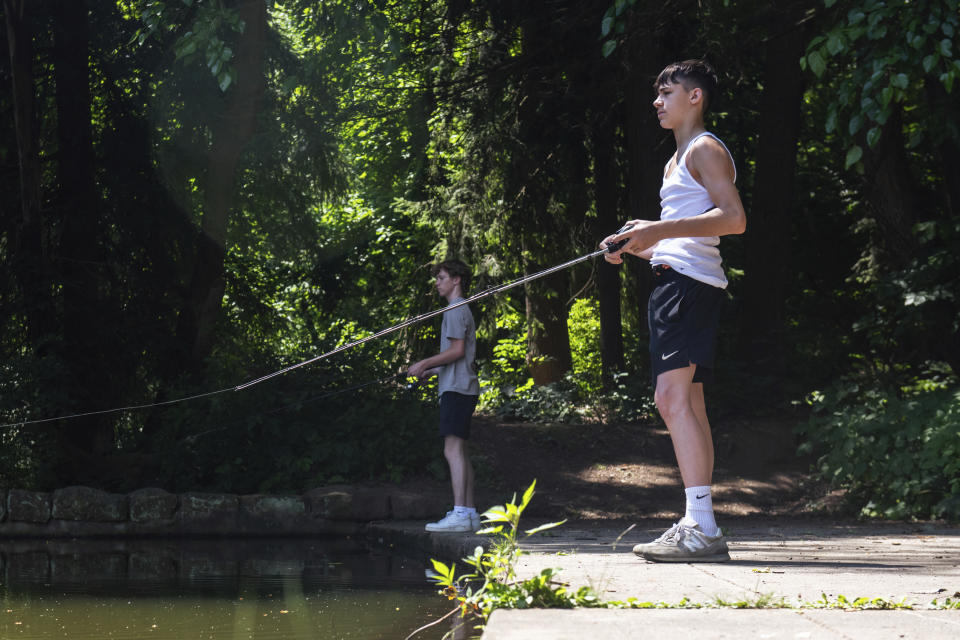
x=214 y=589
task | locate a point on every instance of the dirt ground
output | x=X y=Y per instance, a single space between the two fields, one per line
x=625 y=472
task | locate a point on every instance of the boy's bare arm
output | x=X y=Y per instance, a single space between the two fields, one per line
x=710 y=165
x=427 y=367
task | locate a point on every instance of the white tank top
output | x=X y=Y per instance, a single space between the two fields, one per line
x=681 y=196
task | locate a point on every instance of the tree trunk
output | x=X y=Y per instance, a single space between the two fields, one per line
x=647 y=150
x=890 y=196
x=30 y=258
x=761 y=326
x=230 y=133
x=606 y=182
x=944 y=105
x=540 y=174
x=80 y=259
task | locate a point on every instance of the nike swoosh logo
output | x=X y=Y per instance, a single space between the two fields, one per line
x=703 y=496
x=667 y=356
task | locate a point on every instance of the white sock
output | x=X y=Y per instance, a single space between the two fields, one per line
x=700 y=509
x=461 y=510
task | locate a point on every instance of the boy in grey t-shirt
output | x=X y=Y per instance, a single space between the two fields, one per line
x=459 y=390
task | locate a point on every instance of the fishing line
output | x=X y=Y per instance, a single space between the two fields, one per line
x=299 y=403
x=610 y=248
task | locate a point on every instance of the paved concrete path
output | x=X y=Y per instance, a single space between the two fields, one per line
x=798 y=562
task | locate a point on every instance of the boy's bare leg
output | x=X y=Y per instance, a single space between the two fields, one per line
x=700 y=411
x=461 y=471
x=681 y=405
x=675 y=397
x=468 y=497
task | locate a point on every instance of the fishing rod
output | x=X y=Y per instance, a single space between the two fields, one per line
x=610 y=247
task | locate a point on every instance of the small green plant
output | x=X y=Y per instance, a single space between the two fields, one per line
x=492 y=583
x=848 y=604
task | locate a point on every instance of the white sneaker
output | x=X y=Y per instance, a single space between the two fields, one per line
x=685 y=542
x=475 y=523
x=452 y=522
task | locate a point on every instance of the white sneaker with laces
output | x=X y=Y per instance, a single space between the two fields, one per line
x=685 y=542
x=452 y=522
x=643 y=547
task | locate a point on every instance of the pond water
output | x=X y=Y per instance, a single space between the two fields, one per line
x=214 y=590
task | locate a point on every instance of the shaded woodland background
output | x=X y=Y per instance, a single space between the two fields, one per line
x=200 y=192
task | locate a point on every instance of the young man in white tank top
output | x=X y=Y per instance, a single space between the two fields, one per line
x=699 y=203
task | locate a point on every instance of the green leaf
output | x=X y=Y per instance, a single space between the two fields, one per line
x=930 y=61
x=834 y=44
x=886 y=95
x=528 y=495
x=817 y=64
x=544 y=527
x=873 y=136
x=605 y=25
x=900 y=81
x=855 y=16
x=946 y=48
x=490 y=530
x=853 y=156
x=855 y=123
x=442 y=570
x=496 y=514
x=226 y=79
x=608 y=48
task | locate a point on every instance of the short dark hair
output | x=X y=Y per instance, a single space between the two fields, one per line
x=456 y=269
x=696 y=73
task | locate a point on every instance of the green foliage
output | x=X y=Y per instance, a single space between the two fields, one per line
x=882 y=56
x=319 y=427
x=583 y=325
x=912 y=313
x=508 y=391
x=492 y=579
x=859 y=604
x=614 y=24
x=554 y=402
x=505 y=374
x=204 y=39
x=895 y=450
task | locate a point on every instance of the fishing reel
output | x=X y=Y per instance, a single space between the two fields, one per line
x=616 y=246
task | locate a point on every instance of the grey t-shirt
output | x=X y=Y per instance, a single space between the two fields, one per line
x=459 y=375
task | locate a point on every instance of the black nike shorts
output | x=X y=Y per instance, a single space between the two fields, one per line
x=683 y=315
x=456 y=412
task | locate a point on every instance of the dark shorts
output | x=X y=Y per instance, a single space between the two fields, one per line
x=456 y=410
x=683 y=314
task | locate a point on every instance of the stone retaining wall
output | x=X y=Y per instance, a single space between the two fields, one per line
x=83 y=511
